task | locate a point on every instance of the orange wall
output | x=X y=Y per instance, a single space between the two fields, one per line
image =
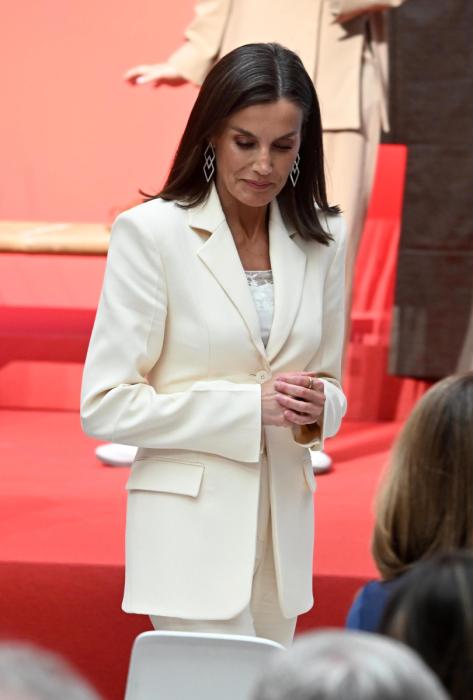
x=75 y=139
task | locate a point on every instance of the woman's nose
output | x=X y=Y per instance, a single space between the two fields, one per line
x=263 y=164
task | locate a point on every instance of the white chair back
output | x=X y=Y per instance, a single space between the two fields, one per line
x=190 y=666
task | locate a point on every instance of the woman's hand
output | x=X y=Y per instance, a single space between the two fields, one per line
x=301 y=396
x=271 y=411
x=159 y=74
x=293 y=398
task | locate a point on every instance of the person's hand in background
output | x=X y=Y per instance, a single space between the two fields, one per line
x=157 y=74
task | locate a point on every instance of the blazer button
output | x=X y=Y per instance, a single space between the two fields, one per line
x=262 y=376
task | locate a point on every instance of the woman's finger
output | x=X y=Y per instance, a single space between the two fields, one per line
x=135 y=72
x=298 y=406
x=315 y=395
x=299 y=379
x=298 y=418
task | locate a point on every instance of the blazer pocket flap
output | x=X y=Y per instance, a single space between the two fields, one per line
x=168 y=476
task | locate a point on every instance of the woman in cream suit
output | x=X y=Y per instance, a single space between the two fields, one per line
x=224 y=385
x=343 y=46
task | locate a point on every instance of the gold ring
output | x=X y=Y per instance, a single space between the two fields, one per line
x=311 y=383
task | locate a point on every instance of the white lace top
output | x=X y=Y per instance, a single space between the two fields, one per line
x=262 y=291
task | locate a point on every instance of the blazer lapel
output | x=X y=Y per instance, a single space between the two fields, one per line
x=219 y=254
x=288 y=263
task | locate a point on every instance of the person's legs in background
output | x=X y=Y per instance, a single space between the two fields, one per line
x=350 y=158
x=350 y=161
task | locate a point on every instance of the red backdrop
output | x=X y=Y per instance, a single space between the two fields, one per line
x=75 y=139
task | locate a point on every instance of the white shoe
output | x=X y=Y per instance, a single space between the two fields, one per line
x=321 y=462
x=116 y=455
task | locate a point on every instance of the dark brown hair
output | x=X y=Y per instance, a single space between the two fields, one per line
x=431 y=610
x=249 y=75
x=426 y=503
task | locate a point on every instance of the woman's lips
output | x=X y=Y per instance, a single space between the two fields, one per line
x=258 y=185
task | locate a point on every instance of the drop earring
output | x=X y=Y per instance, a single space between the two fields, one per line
x=295 y=172
x=209 y=160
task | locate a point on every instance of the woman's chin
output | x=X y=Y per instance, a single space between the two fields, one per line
x=253 y=197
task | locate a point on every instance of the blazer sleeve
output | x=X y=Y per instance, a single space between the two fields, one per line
x=344 y=10
x=204 y=35
x=327 y=361
x=118 y=403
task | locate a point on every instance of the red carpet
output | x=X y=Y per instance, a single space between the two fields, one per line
x=59 y=504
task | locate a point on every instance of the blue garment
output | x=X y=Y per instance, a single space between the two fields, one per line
x=368 y=607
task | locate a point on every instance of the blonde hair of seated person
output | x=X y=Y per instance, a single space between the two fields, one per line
x=426 y=502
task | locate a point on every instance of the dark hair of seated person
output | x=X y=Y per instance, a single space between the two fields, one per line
x=431 y=610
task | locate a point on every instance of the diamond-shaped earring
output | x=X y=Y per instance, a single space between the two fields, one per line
x=209 y=160
x=295 y=172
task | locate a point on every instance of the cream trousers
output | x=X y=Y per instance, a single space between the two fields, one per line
x=262 y=617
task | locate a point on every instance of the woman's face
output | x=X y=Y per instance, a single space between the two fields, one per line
x=255 y=151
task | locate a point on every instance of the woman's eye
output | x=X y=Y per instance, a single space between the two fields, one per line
x=282 y=148
x=244 y=144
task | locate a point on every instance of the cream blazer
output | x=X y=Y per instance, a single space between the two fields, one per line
x=175 y=366
x=328 y=35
